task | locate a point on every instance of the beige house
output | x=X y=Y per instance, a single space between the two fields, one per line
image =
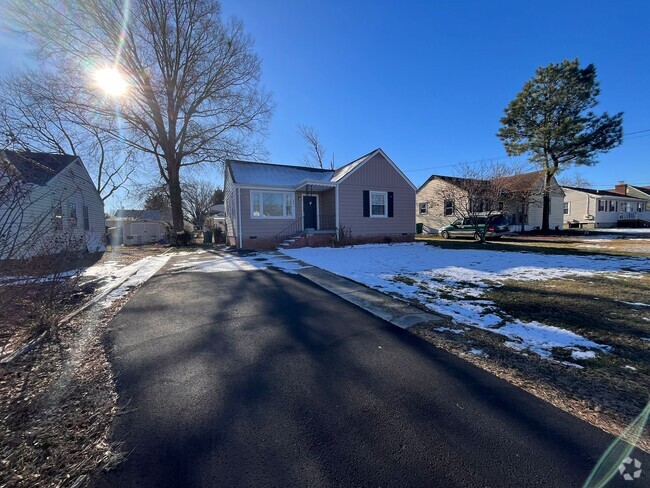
x=642 y=192
x=589 y=208
x=438 y=205
x=369 y=199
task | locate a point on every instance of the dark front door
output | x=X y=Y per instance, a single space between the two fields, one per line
x=309 y=212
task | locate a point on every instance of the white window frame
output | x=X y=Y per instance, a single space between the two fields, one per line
x=285 y=195
x=385 y=214
x=567 y=210
x=426 y=208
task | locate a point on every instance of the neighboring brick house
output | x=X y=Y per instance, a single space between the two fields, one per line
x=589 y=208
x=367 y=200
x=522 y=205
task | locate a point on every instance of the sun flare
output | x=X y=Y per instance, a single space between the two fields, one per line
x=111 y=82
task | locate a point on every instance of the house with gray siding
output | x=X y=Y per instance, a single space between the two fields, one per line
x=49 y=204
x=367 y=200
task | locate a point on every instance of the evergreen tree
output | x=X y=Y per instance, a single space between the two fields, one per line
x=552 y=121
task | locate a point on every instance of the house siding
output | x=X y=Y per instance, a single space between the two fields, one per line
x=536 y=207
x=37 y=235
x=633 y=192
x=231 y=210
x=582 y=204
x=376 y=174
x=433 y=194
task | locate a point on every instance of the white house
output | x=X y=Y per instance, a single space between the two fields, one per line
x=48 y=204
x=588 y=208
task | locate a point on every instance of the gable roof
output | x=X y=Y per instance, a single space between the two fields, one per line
x=36 y=167
x=600 y=193
x=252 y=173
x=345 y=171
x=524 y=181
x=643 y=189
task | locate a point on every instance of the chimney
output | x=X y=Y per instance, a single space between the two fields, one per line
x=621 y=188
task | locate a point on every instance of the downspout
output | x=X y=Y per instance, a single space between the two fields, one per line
x=241 y=234
x=336 y=205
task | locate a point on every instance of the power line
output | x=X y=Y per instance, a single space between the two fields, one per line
x=636 y=132
x=644 y=132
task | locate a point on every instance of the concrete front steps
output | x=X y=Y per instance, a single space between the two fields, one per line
x=318 y=239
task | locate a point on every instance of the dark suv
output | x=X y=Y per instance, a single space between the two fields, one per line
x=493 y=225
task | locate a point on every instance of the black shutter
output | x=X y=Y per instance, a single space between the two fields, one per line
x=366 y=203
x=390 y=203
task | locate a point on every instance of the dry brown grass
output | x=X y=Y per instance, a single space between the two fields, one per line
x=591 y=244
x=57 y=401
x=608 y=391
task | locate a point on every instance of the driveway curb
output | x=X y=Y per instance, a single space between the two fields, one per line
x=397 y=312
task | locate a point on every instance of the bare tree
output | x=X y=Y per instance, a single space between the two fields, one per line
x=197 y=200
x=190 y=79
x=156 y=198
x=575 y=180
x=39 y=115
x=479 y=192
x=315 y=157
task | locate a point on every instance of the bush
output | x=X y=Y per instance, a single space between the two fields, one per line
x=184 y=238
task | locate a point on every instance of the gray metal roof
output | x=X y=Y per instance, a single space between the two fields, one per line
x=602 y=193
x=35 y=167
x=250 y=173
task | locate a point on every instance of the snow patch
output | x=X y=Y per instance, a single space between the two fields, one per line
x=479 y=352
x=447 y=329
x=137 y=273
x=452 y=281
x=583 y=354
x=252 y=262
x=634 y=304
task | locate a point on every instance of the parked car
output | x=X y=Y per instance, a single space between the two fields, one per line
x=494 y=226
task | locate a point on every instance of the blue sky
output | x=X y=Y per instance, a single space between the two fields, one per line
x=428 y=81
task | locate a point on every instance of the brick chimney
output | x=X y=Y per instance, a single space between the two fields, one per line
x=621 y=188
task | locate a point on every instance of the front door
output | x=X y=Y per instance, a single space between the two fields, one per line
x=309 y=212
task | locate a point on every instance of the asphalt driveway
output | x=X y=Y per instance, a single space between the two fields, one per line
x=260 y=378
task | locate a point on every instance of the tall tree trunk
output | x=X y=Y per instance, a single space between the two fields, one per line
x=546 y=203
x=175 y=198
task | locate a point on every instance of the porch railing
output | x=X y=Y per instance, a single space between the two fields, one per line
x=290 y=231
x=325 y=222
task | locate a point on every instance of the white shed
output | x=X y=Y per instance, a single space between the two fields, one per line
x=136 y=227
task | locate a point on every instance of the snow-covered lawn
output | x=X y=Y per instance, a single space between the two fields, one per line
x=453 y=281
x=623 y=230
x=131 y=276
